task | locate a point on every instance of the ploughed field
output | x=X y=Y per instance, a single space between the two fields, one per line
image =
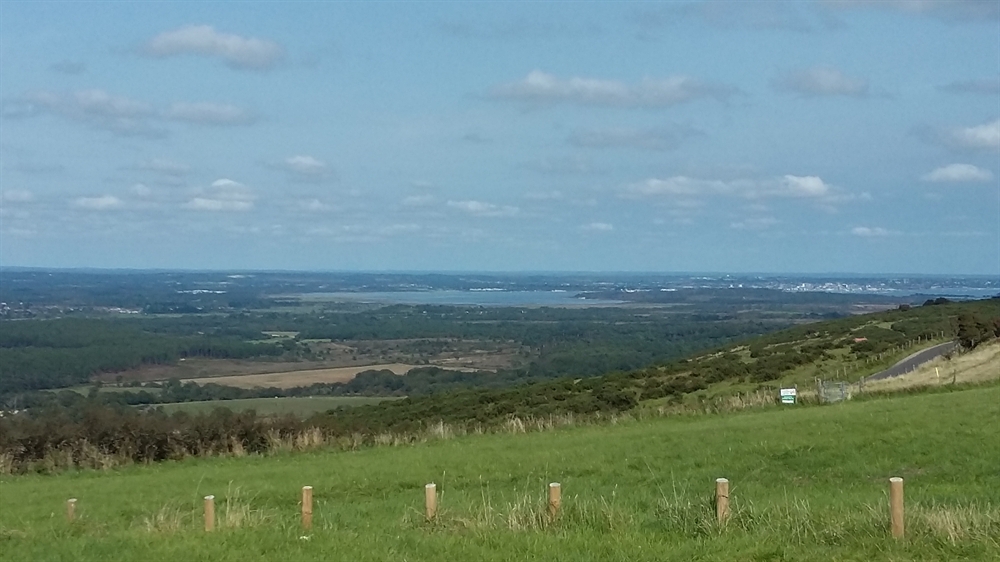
x=807 y=483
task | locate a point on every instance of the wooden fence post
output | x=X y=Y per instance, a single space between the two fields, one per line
x=722 y=500
x=430 y=500
x=555 y=499
x=209 y=513
x=307 y=507
x=71 y=509
x=896 y=506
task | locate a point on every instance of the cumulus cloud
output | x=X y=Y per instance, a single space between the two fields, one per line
x=224 y=195
x=483 y=209
x=870 y=231
x=541 y=88
x=245 y=53
x=958 y=173
x=821 y=81
x=665 y=138
x=788 y=186
x=16 y=196
x=598 y=227
x=978 y=137
x=982 y=86
x=207 y=113
x=102 y=203
x=305 y=167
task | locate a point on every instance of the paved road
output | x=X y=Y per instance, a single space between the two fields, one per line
x=913 y=361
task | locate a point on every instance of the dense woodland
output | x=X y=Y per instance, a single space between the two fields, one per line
x=64 y=352
x=77 y=425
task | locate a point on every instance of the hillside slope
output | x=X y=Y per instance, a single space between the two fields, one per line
x=808 y=483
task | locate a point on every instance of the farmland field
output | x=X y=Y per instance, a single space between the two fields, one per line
x=808 y=483
x=300 y=406
x=289 y=379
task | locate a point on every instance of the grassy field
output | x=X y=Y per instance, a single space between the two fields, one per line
x=299 y=406
x=808 y=483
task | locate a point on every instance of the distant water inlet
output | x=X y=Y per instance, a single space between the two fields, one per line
x=454 y=297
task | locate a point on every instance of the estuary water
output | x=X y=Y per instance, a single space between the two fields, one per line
x=468 y=298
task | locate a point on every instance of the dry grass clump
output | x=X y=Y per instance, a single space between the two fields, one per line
x=955 y=524
x=168 y=519
x=237 y=512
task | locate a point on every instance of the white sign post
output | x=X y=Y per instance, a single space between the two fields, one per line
x=788 y=395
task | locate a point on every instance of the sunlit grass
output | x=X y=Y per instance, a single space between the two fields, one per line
x=807 y=484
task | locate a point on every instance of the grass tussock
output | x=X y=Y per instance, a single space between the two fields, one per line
x=167 y=520
x=238 y=513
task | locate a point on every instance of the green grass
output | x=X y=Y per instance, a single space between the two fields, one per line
x=299 y=406
x=808 y=483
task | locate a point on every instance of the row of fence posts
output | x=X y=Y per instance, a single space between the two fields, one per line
x=722 y=511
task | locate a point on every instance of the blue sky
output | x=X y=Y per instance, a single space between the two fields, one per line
x=719 y=136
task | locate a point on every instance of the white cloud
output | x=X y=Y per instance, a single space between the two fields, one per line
x=304 y=168
x=666 y=138
x=102 y=203
x=958 y=173
x=798 y=186
x=541 y=88
x=123 y=115
x=870 y=231
x=788 y=186
x=598 y=227
x=141 y=190
x=248 y=53
x=483 y=209
x=979 y=137
x=821 y=81
x=16 y=196
x=207 y=113
x=97 y=108
x=224 y=195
